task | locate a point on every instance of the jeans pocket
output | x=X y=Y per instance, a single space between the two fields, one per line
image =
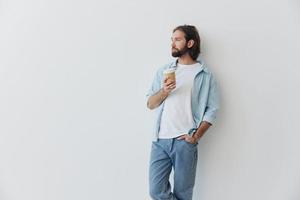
x=190 y=145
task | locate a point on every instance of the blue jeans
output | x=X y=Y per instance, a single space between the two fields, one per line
x=182 y=156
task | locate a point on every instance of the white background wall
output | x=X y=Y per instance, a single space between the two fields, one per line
x=73 y=79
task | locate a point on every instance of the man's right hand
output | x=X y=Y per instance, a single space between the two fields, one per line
x=168 y=85
x=156 y=99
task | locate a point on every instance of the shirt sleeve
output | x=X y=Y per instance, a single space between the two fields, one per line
x=155 y=86
x=213 y=102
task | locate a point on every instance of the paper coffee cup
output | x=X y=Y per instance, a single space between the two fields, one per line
x=169 y=74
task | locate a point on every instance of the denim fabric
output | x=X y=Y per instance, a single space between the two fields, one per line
x=182 y=156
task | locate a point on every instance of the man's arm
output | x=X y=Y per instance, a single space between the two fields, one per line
x=198 y=134
x=211 y=110
x=201 y=130
x=156 y=99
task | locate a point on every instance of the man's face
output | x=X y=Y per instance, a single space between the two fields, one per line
x=179 y=44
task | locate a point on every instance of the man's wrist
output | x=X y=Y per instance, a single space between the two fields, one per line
x=201 y=130
x=197 y=135
x=164 y=94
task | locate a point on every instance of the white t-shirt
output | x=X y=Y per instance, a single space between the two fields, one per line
x=177 y=116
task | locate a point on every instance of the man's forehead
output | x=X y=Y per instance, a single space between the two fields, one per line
x=178 y=34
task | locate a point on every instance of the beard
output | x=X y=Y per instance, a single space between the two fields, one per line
x=179 y=52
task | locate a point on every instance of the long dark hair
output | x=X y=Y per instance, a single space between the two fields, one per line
x=191 y=33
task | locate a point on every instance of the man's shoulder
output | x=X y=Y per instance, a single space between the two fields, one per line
x=172 y=64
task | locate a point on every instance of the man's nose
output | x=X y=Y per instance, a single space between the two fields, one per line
x=172 y=44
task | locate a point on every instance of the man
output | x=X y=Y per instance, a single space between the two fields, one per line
x=185 y=109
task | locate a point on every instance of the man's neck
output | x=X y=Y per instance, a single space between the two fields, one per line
x=186 y=60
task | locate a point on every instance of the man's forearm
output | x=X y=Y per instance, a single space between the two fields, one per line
x=201 y=129
x=156 y=99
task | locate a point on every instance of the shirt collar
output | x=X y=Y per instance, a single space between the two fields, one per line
x=199 y=60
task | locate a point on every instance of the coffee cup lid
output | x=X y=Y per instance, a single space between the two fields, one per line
x=169 y=71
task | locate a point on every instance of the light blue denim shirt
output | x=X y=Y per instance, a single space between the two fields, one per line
x=205 y=96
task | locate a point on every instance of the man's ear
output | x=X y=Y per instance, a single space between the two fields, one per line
x=190 y=43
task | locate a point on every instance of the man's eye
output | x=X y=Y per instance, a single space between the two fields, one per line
x=175 y=39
